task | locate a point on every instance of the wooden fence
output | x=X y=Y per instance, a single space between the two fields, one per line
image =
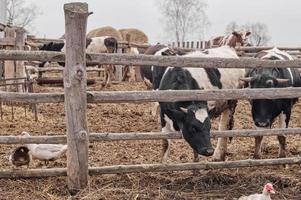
x=75 y=98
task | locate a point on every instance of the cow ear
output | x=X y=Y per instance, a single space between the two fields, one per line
x=235 y=33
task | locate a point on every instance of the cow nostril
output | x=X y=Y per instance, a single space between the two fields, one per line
x=210 y=151
x=262 y=124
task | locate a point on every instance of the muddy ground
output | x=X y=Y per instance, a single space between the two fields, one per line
x=209 y=184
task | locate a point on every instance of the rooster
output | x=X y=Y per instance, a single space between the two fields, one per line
x=267 y=190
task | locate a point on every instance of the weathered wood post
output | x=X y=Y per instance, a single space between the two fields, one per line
x=75 y=84
x=20 y=67
x=9 y=65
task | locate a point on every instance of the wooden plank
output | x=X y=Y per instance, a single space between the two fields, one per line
x=100 y=137
x=192 y=95
x=75 y=86
x=58 y=81
x=137 y=60
x=45 y=40
x=9 y=65
x=61 y=69
x=192 y=166
x=20 y=67
x=118 y=68
x=155 y=96
x=257 y=49
x=7 y=42
x=143 y=168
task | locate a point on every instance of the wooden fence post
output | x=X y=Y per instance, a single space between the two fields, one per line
x=75 y=84
x=20 y=67
x=9 y=65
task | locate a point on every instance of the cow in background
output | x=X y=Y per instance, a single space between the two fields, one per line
x=151 y=79
x=233 y=40
x=265 y=111
x=104 y=44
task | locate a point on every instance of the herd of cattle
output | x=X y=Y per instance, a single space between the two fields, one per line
x=192 y=118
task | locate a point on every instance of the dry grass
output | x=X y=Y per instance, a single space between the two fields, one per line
x=209 y=184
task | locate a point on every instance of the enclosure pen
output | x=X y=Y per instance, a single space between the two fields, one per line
x=76 y=97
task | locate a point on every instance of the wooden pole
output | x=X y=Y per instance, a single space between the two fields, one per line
x=192 y=45
x=75 y=84
x=9 y=65
x=143 y=168
x=157 y=96
x=20 y=67
x=100 y=137
x=137 y=60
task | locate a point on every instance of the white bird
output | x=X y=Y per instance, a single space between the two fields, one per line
x=45 y=152
x=267 y=190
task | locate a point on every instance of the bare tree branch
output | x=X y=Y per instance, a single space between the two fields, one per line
x=184 y=19
x=20 y=14
x=259 y=36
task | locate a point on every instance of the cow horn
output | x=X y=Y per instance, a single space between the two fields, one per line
x=185 y=110
x=246 y=79
x=282 y=80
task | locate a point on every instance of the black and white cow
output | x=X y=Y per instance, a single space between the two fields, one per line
x=265 y=111
x=152 y=79
x=193 y=118
x=103 y=44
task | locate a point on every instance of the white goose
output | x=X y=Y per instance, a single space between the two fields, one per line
x=45 y=152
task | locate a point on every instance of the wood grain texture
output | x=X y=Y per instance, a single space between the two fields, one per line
x=75 y=86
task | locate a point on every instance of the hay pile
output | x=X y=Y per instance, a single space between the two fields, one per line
x=137 y=36
x=105 y=31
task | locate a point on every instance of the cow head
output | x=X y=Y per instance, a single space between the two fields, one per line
x=112 y=44
x=264 y=111
x=194 y=124
x=239 y=38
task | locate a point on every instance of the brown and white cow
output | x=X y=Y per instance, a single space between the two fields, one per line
x=233 y=40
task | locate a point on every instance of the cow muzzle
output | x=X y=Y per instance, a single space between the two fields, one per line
x=263 y=124
x=206 y=151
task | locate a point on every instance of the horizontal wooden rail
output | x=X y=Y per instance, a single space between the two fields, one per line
x=132 y=44
x=97 y=137
x=157 y=96
x=189 y=95
x=61 y=69
x=116 y=169
x=126 y=59
x=257 y=49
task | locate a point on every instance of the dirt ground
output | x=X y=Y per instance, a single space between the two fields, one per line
x=209 y=184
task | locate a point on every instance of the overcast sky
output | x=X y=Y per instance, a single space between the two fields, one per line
x=282 y=17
